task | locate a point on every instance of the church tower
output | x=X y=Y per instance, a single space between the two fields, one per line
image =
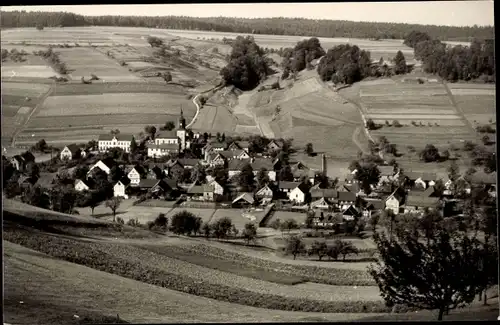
x=181 y=131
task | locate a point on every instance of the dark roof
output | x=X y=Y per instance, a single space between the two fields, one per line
x=237 y=164
x=482 y=177
x=424 y=176
x=172 y=134
x=125 y=181
x=109 y=162
x=119 y=137
x=350 y=211
x=304 y=187
x=73 y=148
x=275 y=142
x=148 y=183
x=428 y=191
x=247 y=197
x=196 y=189
x=216 y=144
x=229 y=154
x=19 y=158
x=288 y=185
x=421 y=201
x=324 y=193
x=28 y=156
x=260 y=163
x=354 y=188
x=46 y=180
x=386 y=170
x=167 y=146
x=242 y=144
x=375 y=204
x=188 y=161
x=346 y=196
x=172 y=183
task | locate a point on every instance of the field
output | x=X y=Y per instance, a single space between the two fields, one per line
x=286 y=215
x=239 y=217
x=477 y=101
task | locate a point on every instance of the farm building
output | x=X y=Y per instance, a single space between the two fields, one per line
x=345 y=199
x=72 y=151
x=108 y=141
x=197 y=192
x=265 y=194
x=350 y=213
x=221 y=157
x=46 y=180
x=167 y=142
x=120 y=188
x=217 y=188
x=387 y=174
x=164 y=149
x=239 y=145
x=418 y=203
x=393 y=202
x=373 y=205
x=299 y=194
x=104 y=165
x=244 y=199
x=81 y=186
x=214 y=147
x=274 y=145
x=421 y=179
x=135 y=174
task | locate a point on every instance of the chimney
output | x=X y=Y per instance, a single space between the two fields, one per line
x=323 y=164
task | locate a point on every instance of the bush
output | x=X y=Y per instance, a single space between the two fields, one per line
x=370 y=125
x=396 y=124
x=133 y=223
x=120 y=221
x=185 y=222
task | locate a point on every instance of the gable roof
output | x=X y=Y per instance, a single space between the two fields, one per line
x=125 y=181
x=237 y=164
x=172 y=134
x=165 y=146
x=421 y=201
x=248 y=197
x=266 y=163
x=288 y=185
x=424 y=176
x=196 y=189
x=242 y=144
x=148 y=183
x=386 y=170
x=119 y=137
x=375 y=204
x=18 y=158
x=263 y=190
x=188 y=161
x=277 y=143
x=428 y=191
x=346 y=196
x=320 y=203
x=324 y=193
x=73 y=148
x=46 y=180
x=350 y=211
x=108 y=162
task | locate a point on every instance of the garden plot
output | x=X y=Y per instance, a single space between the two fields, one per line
x=85 y=61
x=239 y=217
x=117 y=87
x=302 y=88
x=28 y=71
x=205 y=214
x=287 y=215
x=107 y=104
x=475 y=104
x=247 y=129
x=24 y=89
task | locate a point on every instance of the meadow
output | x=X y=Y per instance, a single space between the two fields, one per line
x=476 y=101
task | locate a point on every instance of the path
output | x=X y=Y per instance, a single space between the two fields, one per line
x=195 y=102
x=459 y=110
x=42 y=100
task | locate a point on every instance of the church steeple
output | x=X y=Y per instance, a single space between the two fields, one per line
x=182 y=121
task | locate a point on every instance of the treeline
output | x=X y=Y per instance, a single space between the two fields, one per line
x=473 y=62
x=275 y=26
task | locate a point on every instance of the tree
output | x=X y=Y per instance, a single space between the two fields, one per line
x=400 y=63
x=389 y=217
x=370 y=125
x=92 y=199
x=35 y=195
x=222 y=227
x=207 y=230
x=133 y=145
x=309 y=149
x=295 y=246
x=92 y=145
x=263 y=177
x=169 y=126
x=345 y=248
x=310 y=218
x=199 y=174
x=114 y=204
x=374 y=221
x=368 y=174
x=39 y=27
x=318 y=248
x=151 y=130
x=116 y=174
x=443 y=273
x=250 y=232
x=430 y=153
x=276 y=224
x=290 y=224
x=184 y=222
x=41 y=145
x=285 y=174
x=154 y=41
x=246 y=178
x=167 y=76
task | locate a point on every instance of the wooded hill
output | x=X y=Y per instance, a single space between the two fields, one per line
x=275 y=26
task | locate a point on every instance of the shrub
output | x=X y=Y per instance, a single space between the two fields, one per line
x=414 y=123
x=370 y=125
x=185 y=222
x=396 y=124
x=123 y=63
x=387 y=123
x=93 y=77
x=120 y=220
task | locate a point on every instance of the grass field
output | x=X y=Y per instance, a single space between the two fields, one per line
x=286 y=215
x=477 y=101
x=239 y=217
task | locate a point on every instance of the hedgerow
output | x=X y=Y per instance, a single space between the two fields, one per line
x=93 y=255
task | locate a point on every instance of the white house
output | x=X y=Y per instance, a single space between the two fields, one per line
x=298 y=194
x=80 y=186
x=164 y=149
x=108 y=141
x=422 y=180
x=167 y=142
x=387 y=174
x=103 y=165
x=217 y=188
x=265 y=194
x=273 y=145
x=393 y=202
x=135 y=175
x=120 y=187
x=71 y=151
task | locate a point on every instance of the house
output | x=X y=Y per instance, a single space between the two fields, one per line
x=188 y=163
x=70 y=152
x=323 y=198
x=415 y=202
x=134 y=174
x=373 y=205
x=214 y=147
x=46 y=180
x=387 y=174
x=349 y=179
x=487 y=180
x=18 y=162
x=217 y=188
x=173 y=167
x=259 y=164
x=265 y=194
x=422 y=180
x=320 y=203
x=299 y=194
x=25 y=181
x=345 y=199
x=244 y=199
x=209 y=192
x=161 y=150
x=287 y=187
x=196 y=192
x=81 y=186
x=239 y=145
x=274 y=145
x=120 y=188
x=350 y=213
x=158 y=186
x=178 y=139
x=223 y=156
x=108 y=141
x=105 y=165
x=393 y=202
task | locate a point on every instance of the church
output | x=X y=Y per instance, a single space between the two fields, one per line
x=168 y=142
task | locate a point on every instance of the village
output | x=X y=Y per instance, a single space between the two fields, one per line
x=185 y=169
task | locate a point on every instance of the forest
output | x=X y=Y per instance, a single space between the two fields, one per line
x=453 y=63
x=274 y=26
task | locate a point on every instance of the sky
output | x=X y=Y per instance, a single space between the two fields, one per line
x=448 y=13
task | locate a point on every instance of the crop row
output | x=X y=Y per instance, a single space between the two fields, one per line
x=107 y=258
x=331 y=276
